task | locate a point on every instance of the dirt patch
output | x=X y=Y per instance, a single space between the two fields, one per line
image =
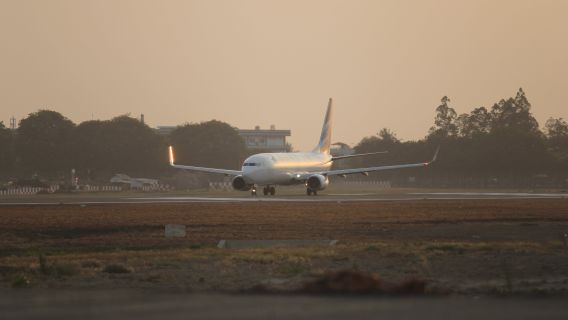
x=467 y=246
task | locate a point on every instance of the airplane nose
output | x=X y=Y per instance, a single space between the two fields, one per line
x=248 y=174
x=247 y=171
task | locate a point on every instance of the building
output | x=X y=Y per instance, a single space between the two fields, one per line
x=269 y=140
x=165 y=130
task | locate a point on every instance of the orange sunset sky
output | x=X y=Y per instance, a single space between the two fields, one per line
x=259 y=62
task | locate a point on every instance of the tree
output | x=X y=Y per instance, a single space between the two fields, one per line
x=514 y=114
x=120 y=145
x=517 y=145
x=556 y=128
x=476 y=123
x=44 y=142
x=212 y=144
x=7 y=158
x=89 y=151
x=445 y=121
x=505 y=143
x=556 y=131
x=384 y=140
x=388 y=137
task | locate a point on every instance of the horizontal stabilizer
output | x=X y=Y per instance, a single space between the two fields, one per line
x=357 y=155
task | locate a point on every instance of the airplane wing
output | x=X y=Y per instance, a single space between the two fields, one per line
x=202 y=169
x=381 y=168
x=356 y=155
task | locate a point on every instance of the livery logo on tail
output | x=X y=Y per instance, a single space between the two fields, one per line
x=325 y=138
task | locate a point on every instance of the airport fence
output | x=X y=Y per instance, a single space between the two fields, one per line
x=21 y=191
x=146 y=188
x=25 y=191
x=157 y=188
x=223 y=186
x=89 y=188
x=363 y=183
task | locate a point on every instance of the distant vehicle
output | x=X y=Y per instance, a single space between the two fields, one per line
x=309 y=168
x=134 y=183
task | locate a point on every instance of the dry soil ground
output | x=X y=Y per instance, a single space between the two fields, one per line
x=457 y=246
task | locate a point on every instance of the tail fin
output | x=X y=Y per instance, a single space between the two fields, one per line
x=325 y=138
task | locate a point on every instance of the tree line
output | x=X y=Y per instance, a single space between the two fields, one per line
x=48 y=145
x=503 y=145
x=504 y=142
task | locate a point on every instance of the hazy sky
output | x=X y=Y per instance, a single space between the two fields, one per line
x=385 y=63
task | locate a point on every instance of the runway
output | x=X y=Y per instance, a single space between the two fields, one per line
x=123 y=304
x=102 y=199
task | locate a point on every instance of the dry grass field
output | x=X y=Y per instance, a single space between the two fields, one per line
x=456 y=246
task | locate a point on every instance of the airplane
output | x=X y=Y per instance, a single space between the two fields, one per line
x=135 y=183
x=312 y=169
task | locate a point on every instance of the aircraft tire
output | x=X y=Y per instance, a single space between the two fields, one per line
x=272 y=191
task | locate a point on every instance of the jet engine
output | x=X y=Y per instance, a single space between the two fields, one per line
x=317 y=182
x=240 y=184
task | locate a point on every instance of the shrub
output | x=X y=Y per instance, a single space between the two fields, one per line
x=20 y=281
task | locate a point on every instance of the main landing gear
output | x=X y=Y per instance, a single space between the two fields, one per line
x=268 y=190
x=309 y=192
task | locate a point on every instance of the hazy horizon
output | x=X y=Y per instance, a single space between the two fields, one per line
x=385 y=63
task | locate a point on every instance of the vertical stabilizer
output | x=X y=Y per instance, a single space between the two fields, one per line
x=325 y=138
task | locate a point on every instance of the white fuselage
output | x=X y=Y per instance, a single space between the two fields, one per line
x=283 y=168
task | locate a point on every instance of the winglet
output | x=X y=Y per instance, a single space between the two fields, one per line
x=171 y=156
x=435 y=154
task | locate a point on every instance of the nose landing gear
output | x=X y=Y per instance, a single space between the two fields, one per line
x=253 y=191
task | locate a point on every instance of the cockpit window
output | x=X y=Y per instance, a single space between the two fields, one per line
x=251 y=164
